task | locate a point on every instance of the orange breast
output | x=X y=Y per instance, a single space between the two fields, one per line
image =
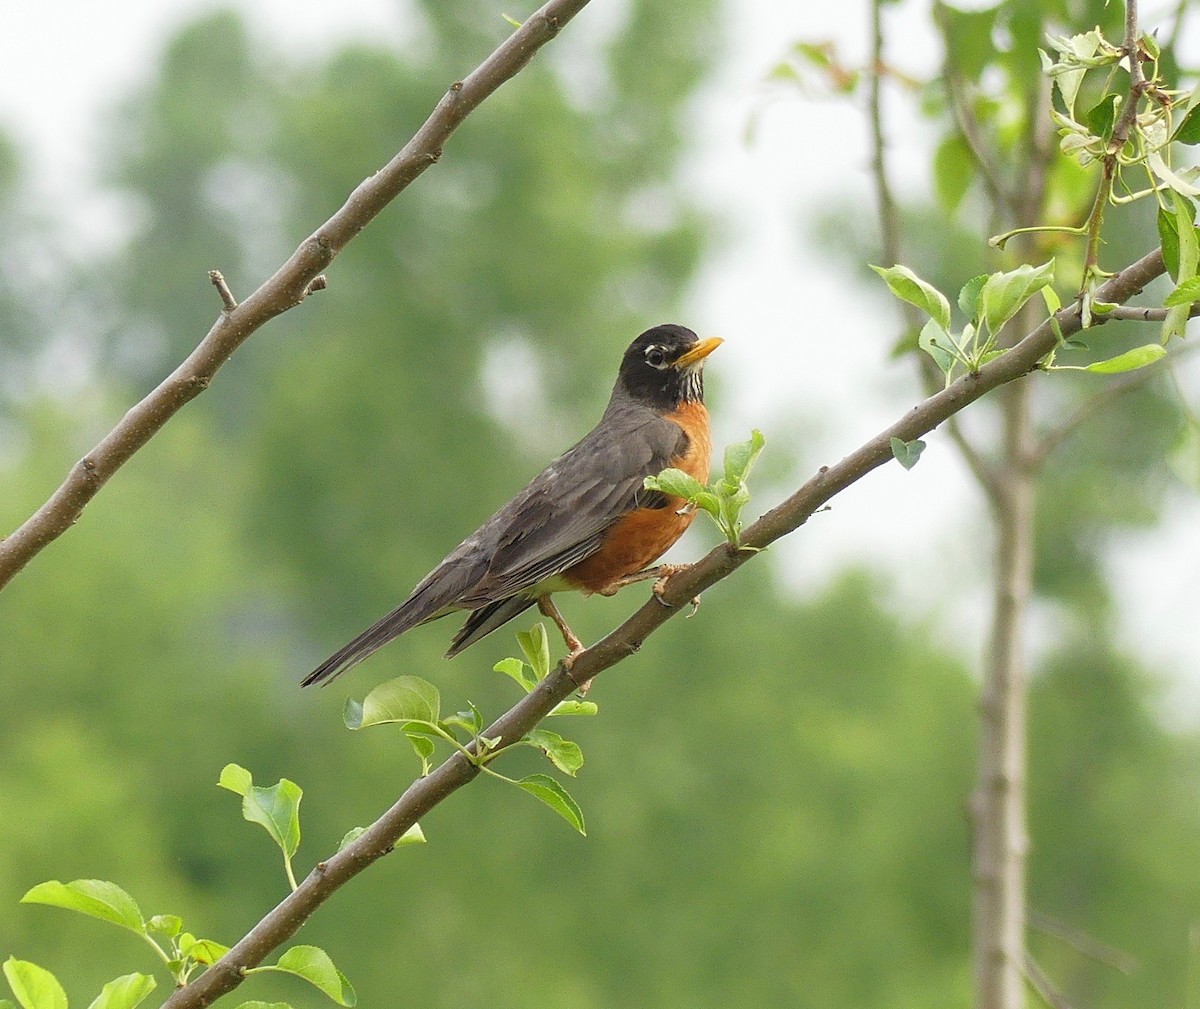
x=645 y=534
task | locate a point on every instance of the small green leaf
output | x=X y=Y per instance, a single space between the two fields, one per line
x=275 y=808
x=740 y=456
x=352 y=835
x=1101 y=117
x=575 y=708
x=414 y=835
x=709 y=502
x=1189 y=130
x=423 y=746
x=676 y=483
x=536 y=646
x=907 y=452
x=563 y=753
x=1003 y=294
x=95 y=897
x=1185 y=294
x=1168 y=237
x=1131 y=360
x=169 y=925
x=257 y=1004
x=936 y=342
x=34 y=986
x=556 y=797
x=518 y=671
x=203 y=951
x=907 y=286
x=953 y=171
x=314 y=965
x=511 y=20
x=968 y=297
x=1175 y=323
x=404 y=699
x=124 y=992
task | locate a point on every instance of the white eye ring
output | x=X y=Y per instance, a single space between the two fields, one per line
x=655 y=357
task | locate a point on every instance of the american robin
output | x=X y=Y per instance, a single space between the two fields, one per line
x=586 y=522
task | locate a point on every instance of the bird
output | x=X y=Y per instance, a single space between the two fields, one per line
x=586 y=522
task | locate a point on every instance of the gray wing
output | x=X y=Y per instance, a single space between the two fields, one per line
x=563 y=514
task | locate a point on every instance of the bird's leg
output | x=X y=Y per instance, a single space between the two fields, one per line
x=661 y=572
x=665 y=571
x=546 y=605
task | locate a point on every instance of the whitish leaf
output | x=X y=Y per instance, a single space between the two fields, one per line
x=314 y=965
x=1131 y=360
x=674 y=482
x=124 y=992
x=575 y=708
x=907 y=286
x=95 y=897
x=536 y=646
x=404 y=699
x=907 y=452
x=34 y=986
x=739 y=457
x=563 y=753
x=556 y=797
x=518 y=671
x=1168 y=175
x=936 y=342
x=1003 y=294
x=1184 y=294
x=276 y=808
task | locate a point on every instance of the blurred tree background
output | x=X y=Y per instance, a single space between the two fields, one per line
x=775 y=790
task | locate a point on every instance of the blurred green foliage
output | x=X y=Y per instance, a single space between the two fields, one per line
x=775 y=792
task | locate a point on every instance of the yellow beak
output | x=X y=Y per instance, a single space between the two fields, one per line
x=698 y=352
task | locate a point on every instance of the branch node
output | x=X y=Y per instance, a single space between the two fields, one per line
x=318 y=283
x=456 y=88
x=218 y=281
x=434 y=156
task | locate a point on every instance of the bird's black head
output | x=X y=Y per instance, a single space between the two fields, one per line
x=665 y=366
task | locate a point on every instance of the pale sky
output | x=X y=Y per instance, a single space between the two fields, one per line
x=800 y=336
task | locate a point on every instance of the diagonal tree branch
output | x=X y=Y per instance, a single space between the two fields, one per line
x=290 y=285
x=425 y=793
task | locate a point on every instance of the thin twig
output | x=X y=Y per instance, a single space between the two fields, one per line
x=1083 y=943
x=292 y=282
x=285 y=920
x=227 y=298
x=1040 y=982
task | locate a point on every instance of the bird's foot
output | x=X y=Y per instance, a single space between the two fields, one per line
x=660 y=572
x=664 y=572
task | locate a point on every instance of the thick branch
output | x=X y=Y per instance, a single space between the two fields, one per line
x=425 y=793
x=289 y=286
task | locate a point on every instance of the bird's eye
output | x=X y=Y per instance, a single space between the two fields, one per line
x=655 y=357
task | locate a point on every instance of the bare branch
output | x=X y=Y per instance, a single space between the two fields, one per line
x=289 y=286
x=684 y=585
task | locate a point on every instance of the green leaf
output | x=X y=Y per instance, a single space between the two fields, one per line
x=276 y=808
x=907 y=286
x=352 y=835
x=423 y=747
x=563 y=754
x=95 y=897
x=1101 y=117
x=1175 y=323
x=536 y=646
x=257 y=1004
x=575 y=708
x=676 y=483
x=708 y=502
x=739 y=457
x=968 y=297
x=907 y=452
x=953 y=171
x=34 y=986
x=124 y=992
x=1168 y=237
x=414 y=835
x=1185 y=294
x=205 y=951
x=1131 y=360
x=314 y=965
x=936 y=342
x=1188 y=131
x=169 y=925
x=518 y=671
x=404 y=699
x=555 y=796
x=1003 y=294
